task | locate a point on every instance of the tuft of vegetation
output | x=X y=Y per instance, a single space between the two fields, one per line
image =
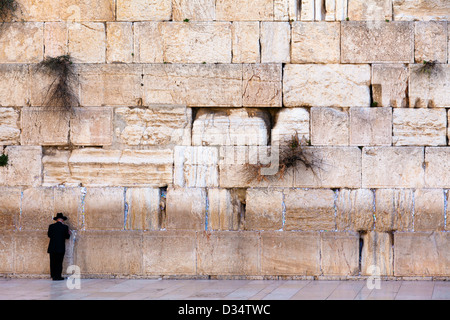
x=7 y=9
x=3 y=160
x=429 y=68
x=61 y=92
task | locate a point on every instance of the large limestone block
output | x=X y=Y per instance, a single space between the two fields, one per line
x=429 y=89
x=15 y=85
x=91 y=126
x=231 y=127
x=193 y=84
x=196 y=166
x=315 y=42
x=110 y=84
x=311 y=209
x=392 y=167
x=225 y=209
x=370 y=10
x=56 y=39
x=275 y=42
x=286 y=10
x=45 y=126
x=37 y=208
x=326 y=85
x=246 y=45
x=290 y=253
x=199 y=10
x=422 y=254
x=142 y=10
x=143 y=209
x=68 y=200
x=87 y=42
x=9 y=126
x=419 y=127
x=430 y=41
x=104 y=209
x=197 y=42
x=370 y=126
x=10 y=204
x=437 y=167
x=30 y=253
x=7 y=245
x=55 y=167
x=394 y=210
x=377 y=254
x=355 y=210
x=264 y=209
x=22 y=42
x=109 y=253
x=410 y=10
x=307 y=10
x=185 y=209
x=169 y=252
x=261 y=85
x=390 y=85
x=382 y=42
x=228 y=253
x=24 y=166
x=290 y=122
x=339 y=253
x=148 y=42
x=153 y=126
x=119 y=42
x=329 y=126
x=429 y=210
x=246 y=10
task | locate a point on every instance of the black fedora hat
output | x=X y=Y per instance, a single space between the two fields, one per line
x=59 y=215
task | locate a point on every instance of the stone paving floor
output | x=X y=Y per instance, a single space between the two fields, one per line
x=153 y=289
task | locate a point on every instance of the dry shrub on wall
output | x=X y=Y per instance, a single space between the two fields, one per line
x=430 y=68
x=7 y=9
x=3 y=160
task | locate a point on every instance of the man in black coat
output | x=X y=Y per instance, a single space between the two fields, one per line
x=58 y=233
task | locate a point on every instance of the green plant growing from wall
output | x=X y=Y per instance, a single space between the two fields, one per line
x=430 y=68
x=3 y=160
x=7 y=9
x=61 y=91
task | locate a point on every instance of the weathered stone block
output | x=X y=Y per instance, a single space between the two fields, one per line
x=261 y=85
x=257 y=10
x=246 y=46
x=311 y=209
x=141 y=10
x=9 y=126
x=193 y=85
x=264 y=209
x=329 y=126
x=390 y=85
x=69 y=202
x=110 y=84
x=7 y=245
x=228 y=253
x=307 y=10
x=290 y=122
x=148 y=42
x=202 y=10
x=109 y=252
x=437 y=167
x=87 y=42
x=355 y=210
x=286 y=10
x=394 y=210
x=10 y=199
x=24 y=166
x=392 y=167
x=15 y=88
x=30 y=254
x=275 y=42
x=419 y=127
x=45 y=126
x=56 y=39
x=315 y=42
x=430 y=41
x=326 y=85
x=143 y=209
x=104 y=209
x=429 y=210
x=225 y=209
x=55 y=167
x=186 y=209
x=339 y=252
x=232 y=127
x=431 y=88
x=22 y=42
x=290 y=253
x=377 y=255
x=119 y=42
x=371 y=11
x=420 y=10
x=383 y=42
x=91 y=127
x=370 y=126
x=422 y=254
x=37 y=208
x=169 y=252
x=341 y=10
x=153 y=126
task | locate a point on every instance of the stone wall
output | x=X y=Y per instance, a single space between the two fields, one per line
x=177 y=97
